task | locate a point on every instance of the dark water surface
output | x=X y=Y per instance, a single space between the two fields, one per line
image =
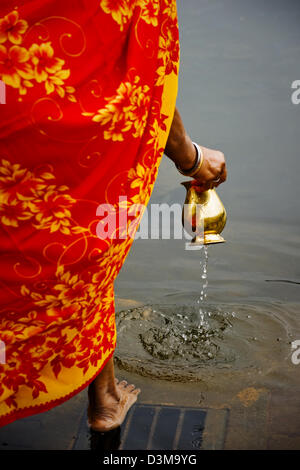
x=238 y=61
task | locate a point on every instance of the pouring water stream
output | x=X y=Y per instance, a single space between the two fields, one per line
x=204 y=284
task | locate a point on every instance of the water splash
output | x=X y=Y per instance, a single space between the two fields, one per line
x=168 y=340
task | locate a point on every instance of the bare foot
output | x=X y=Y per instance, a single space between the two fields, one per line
x=107 y=410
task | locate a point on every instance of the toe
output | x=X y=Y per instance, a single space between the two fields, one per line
x=130 y=388
x=123 y=383
x=136 y=391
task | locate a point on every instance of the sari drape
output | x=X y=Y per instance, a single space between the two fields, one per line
x=90 y=87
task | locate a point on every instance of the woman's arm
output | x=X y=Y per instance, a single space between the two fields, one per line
x=182 y=152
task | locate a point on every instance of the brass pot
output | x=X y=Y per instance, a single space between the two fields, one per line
x=213 y=214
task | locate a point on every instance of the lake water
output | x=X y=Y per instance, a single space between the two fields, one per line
x=238 y=61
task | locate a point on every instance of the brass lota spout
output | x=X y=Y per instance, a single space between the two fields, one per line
x=212 y=211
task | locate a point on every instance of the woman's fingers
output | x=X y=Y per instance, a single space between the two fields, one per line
x=216 y=181
x=213 y=171
x=222 y=177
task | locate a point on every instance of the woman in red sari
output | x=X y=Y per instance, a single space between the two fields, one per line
x=90 y=108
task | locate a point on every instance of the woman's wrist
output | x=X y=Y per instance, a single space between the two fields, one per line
x=188 y=155
x=180 y=148
x=197 y=163
x=182 y=152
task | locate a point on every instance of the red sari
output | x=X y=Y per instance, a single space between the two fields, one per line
x=90 y=94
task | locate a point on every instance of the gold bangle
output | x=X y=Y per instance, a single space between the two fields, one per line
x=197 y=165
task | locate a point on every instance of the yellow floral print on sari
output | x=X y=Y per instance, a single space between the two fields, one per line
x=91 y=93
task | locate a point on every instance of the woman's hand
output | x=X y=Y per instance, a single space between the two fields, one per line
x=213 y=170
x=182 y=152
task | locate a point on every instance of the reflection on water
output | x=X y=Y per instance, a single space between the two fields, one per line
x=103 y=441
